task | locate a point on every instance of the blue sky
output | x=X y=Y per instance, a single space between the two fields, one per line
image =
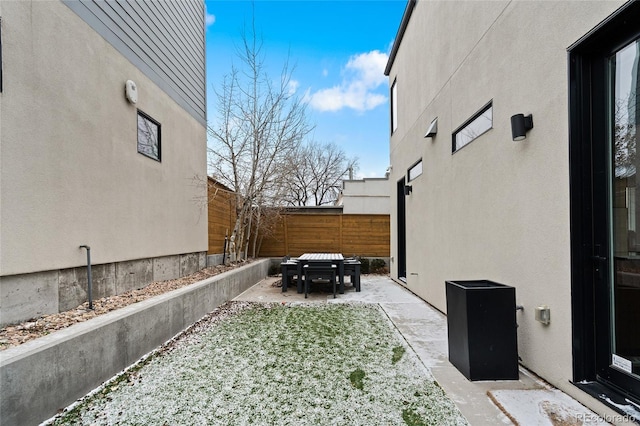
x=339 y=49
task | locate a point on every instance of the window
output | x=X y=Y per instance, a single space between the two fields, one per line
x=148 y=136
x=394 y=107
x=0 y=54
x=477 y=125
x=415 y=170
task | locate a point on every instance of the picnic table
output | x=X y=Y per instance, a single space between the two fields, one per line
x=295 y=266
x=306 y=258
x=336 y=258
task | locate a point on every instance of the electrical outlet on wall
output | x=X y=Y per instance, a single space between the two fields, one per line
x=543 y=314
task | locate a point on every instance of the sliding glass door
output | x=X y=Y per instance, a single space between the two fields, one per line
x=620 y=364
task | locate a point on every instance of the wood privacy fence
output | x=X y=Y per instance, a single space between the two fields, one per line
x=222 y=215
x=303 y=230
x=351 y=234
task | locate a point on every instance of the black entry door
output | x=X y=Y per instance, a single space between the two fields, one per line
x=401 y=232
x=618 y=308
x=605 y=118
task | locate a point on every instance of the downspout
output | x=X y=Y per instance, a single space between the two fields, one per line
x=224 y=249
x=89 y=274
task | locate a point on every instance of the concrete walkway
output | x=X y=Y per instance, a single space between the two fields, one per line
x=528 y=401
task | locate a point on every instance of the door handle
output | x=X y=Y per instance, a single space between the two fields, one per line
x=600 y=261
x=597 y=249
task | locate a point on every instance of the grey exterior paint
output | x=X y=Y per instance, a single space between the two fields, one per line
x=497 y=209
x=164 y=39
x=70 y=171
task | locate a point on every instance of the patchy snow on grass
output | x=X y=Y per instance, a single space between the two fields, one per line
x=273 y=364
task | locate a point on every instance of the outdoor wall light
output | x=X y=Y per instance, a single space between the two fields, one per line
x=520 y=125
x=131 y=91
x=433 y=129
x=407 y=189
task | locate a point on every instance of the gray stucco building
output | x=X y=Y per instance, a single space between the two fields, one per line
x=513 y=154
x=102 y=132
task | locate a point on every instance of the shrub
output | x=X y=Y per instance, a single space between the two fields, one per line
x=364 y=265
x=378 y=266
x=274 y=270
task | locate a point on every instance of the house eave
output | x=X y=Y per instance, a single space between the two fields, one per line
x=396 y=43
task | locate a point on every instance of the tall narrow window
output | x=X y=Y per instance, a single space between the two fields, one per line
x=477 y=125
x=148 y=136
x=0 y=54
x=394 y=107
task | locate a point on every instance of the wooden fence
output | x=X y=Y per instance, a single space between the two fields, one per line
x=354 y=234
x=303 y=230
x=222 y=215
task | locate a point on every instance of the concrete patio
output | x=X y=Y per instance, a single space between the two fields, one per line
x=527 y=401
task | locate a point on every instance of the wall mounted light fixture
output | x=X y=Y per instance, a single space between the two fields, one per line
x=433 y=129
x=131 y=91
x=407 y=189
x=520 y=125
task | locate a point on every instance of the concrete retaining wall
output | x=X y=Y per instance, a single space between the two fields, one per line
x=31 y=295
x=42 y=376
x=215 y=259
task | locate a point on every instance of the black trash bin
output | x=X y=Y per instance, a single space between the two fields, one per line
x=481 y=320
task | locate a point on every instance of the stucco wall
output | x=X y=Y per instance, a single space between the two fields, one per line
x=366 y=196
x=496 y=209
x=70 y=170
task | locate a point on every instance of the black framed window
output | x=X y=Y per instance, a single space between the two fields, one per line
x=479 y=124
x=0 y=54
x=394 y=106
x=415 y=170
x=149 y=136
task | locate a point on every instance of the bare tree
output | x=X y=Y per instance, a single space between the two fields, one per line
x=316 y=174
x=625 y=131
x=259 y=125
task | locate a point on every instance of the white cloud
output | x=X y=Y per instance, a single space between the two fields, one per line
x=293 y=86
x=362 y=76
x=209 y=19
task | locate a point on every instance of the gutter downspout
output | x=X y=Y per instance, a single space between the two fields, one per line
x=224 y=249
x=89 y=283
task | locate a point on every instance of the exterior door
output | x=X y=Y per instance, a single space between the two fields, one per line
x=401 y=232
x=620 y=306
x=605 y=113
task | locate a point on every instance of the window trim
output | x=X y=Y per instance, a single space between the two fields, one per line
x=409 y=178
x=159 y=137
x=474 y=117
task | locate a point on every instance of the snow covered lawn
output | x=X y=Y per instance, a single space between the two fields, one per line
x=273 y=364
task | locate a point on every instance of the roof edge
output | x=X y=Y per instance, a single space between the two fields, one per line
x=408 y=10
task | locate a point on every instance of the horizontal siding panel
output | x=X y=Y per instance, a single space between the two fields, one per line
x=159 y=43
x=166 y=42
